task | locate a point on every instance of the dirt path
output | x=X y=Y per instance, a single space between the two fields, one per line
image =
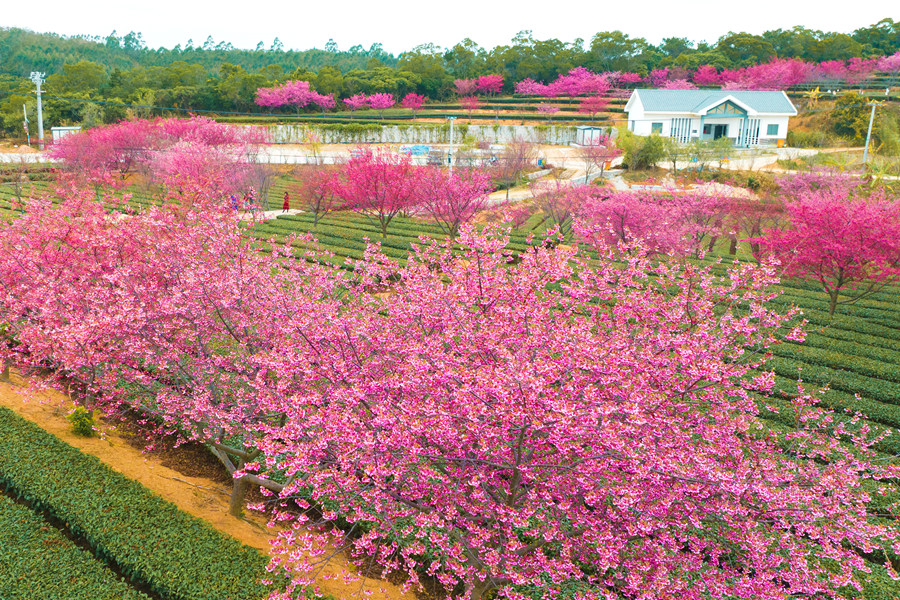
x=199 y=496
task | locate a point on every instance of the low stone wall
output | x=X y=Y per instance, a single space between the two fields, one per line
x=369 y=133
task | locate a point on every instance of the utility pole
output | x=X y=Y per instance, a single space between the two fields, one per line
x=38 y=78
x=450 y=157
x=869 y=134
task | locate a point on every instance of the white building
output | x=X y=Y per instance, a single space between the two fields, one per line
x=747 y=118
x=588 y=135
x=61 y=132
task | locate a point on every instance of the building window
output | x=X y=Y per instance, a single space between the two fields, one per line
x=655 y=127
x=726 y=108
x=772 y=129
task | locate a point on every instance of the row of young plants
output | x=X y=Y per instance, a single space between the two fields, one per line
x=148 y=539
x=850 y=404
x=824 y=335
x=38 y=561
x=877 y=389
x=807 y=354
x=819 y=319
x=851 y=348
x=872 y=311
x=879 y=298
x=346 y=233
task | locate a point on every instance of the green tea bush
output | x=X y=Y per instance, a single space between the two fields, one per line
x=38 y=561
x=176 y=555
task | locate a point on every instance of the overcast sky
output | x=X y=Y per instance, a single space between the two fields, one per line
x=402 y=24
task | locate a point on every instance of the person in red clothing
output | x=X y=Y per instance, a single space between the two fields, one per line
x=287 y=202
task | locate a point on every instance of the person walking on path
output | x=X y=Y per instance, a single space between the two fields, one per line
x=287 y=202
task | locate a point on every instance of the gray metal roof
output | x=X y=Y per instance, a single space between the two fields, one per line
x=692 y=101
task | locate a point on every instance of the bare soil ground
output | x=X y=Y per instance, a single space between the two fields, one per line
x=10 y=148
x=187 y=476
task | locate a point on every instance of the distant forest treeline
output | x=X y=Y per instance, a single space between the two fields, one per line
x=95 y=79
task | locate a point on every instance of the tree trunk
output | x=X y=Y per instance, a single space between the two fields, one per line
x=832 y=304
x=238 y=495
x=712 y=243
x=478 y=589
x=732 y=248
x=754 y=248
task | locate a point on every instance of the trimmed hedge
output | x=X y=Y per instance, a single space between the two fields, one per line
x=845 y=381
x=875 y=412
x=854 y=342
x=149 y=539
x=38 y=561
x=805 y=353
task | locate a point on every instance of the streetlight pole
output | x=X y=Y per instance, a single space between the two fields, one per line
x=450 y=158
x=38 y=78
x=25 y=125
x=869 y=134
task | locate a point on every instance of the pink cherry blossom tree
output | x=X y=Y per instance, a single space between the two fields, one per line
x=891 y=66
x=511 y=427
x=706 y=75
x=316 y=190
x=592 y=105
x=151 y=313
x=355 y=102
x=452 y=200
x=860 y=69
x=658 y=77
x=560 y=200
x=144 y=146
x=848 y=243
x=529 y=87
x=470 y=103
x=465 y=87
x=323 y=101
x=597 y=154
x=380 y=102
x=292 y=93
x=673 y=224
x=830 y=72
x=505 y=425
x=111 y=154
x=777 y=74
x=628 y=79
x=489 y=84
x=679 y=84
x=379 y=185
x=547 y=109
x=413 y=102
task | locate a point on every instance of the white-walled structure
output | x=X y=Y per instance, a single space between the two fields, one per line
x=61 y=132
x=747 y=118
x=588 y=135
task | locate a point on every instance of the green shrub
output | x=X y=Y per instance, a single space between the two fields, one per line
x=807 y=139
x=641 y=152
x=82 y=421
